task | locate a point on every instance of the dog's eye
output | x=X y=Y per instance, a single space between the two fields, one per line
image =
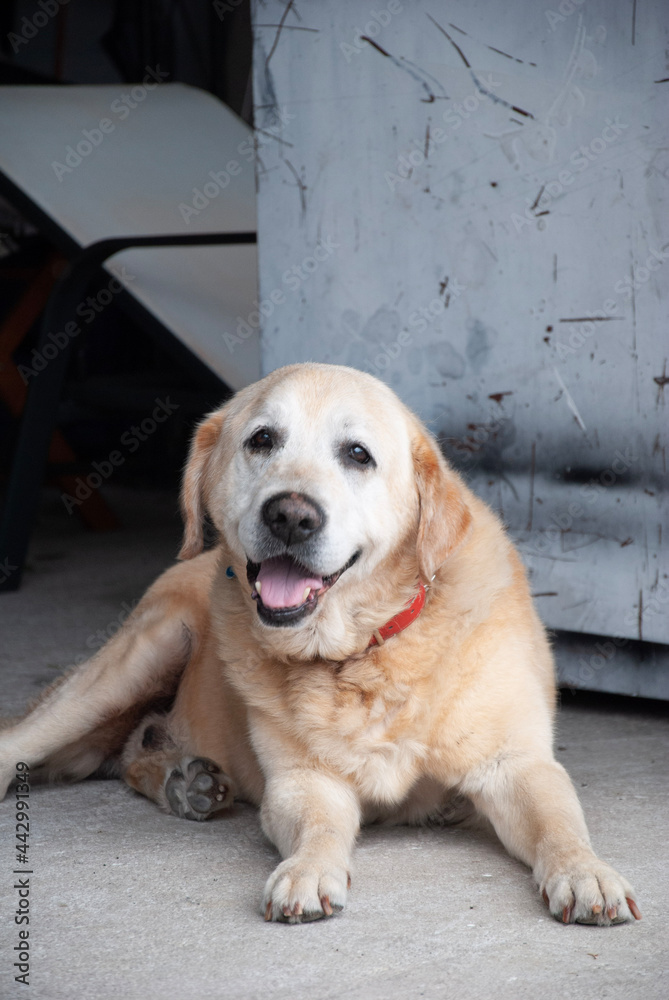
x=262 y=440
x=356 y=453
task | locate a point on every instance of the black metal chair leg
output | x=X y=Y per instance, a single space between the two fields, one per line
x=37 y=426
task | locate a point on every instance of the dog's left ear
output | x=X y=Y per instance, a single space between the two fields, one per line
x=192 y=488
x=444 y=515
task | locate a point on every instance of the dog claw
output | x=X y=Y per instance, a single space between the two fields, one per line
x=634 y=909
x=612 y=912
x=327 y=908
x=268 y=911
x=566 y=914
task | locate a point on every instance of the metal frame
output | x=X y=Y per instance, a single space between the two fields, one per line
x=39 y=417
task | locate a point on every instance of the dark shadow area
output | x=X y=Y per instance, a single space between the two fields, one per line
x=609 y=704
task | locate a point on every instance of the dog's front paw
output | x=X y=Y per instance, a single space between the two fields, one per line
x=590 y=892
x=301 y=890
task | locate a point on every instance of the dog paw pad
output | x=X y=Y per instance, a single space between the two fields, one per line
x=198 y=788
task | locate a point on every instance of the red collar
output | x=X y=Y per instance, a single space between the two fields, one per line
x=402 y=620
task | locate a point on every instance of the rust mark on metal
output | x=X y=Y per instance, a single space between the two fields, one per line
x=454 y=44
x=491 y=47
x=300 y=184
x=532 y=471
x=662 y=379
x=279 y=30
x=505 y=54
x=366 y=38
x=498 y=396
x=538 y=198
x=289 y=27
x=276 y=138
x=633 y=286
x=628 y=541
x=479 y=86
x=414 y=72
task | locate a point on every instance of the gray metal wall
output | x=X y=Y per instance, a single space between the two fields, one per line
x=469 y=199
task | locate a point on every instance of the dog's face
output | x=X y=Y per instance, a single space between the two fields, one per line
x=318 y=478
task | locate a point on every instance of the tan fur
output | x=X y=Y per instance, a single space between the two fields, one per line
x=306 y=721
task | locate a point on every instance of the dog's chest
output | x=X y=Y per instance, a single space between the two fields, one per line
x=371 y=738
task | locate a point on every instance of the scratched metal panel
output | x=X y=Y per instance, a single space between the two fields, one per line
x=469 y=199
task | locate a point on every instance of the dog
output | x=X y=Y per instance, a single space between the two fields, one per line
x=359 y=645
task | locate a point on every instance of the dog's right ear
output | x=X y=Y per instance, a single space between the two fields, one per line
x=195 y=476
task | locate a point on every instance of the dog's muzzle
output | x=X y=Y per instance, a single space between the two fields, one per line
x=286 y=591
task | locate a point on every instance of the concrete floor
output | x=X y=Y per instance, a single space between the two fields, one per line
x=127 y=902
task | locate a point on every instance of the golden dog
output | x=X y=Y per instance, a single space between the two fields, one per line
x=359 y=645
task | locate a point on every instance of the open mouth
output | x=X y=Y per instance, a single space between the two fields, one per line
x=286 y=591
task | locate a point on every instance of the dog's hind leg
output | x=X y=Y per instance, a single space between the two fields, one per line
x=156 y=763
x=132 y=668
x=141 y=664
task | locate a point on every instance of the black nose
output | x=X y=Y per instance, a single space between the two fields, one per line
x=292 y=517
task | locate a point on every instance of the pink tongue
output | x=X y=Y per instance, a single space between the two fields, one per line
x=283 y=583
